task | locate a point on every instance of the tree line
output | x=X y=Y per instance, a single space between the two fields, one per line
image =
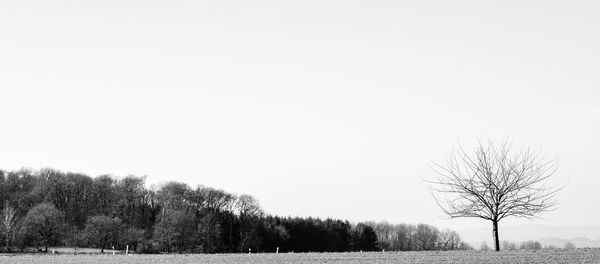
x=48 y=207
x=408 y=237
x=528 y=245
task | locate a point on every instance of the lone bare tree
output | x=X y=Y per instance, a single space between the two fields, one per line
x=494 y=182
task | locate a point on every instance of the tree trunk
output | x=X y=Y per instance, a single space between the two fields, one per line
x=496 y=238
x=231 y=234
x=241 y=235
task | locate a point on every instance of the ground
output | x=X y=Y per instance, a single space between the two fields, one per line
x=542 y=256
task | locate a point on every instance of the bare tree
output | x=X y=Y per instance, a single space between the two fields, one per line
x=449 y=240
x=508 y=245
x=426 y=237
x=248 y=208
x=9 y=224
x=570 y=246
x=494 y=182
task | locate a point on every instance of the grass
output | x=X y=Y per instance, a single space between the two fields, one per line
x=433 y=257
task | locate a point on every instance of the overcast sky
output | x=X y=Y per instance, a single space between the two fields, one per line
x=317 y=108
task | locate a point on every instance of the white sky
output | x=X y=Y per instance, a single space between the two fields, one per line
x=317 y=108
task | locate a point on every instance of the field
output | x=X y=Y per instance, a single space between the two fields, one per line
x=543 y=256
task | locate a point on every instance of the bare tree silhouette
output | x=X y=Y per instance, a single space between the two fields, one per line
x=494 y=182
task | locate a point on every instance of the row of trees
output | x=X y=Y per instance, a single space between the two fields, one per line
x=407 y=237
x=527 y=245
x=53 y=208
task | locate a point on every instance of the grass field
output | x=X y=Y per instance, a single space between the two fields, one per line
x=543 y=256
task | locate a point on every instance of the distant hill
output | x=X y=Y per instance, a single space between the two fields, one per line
x=581 y=236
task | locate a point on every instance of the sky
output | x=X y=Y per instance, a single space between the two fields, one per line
x=317 y=108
